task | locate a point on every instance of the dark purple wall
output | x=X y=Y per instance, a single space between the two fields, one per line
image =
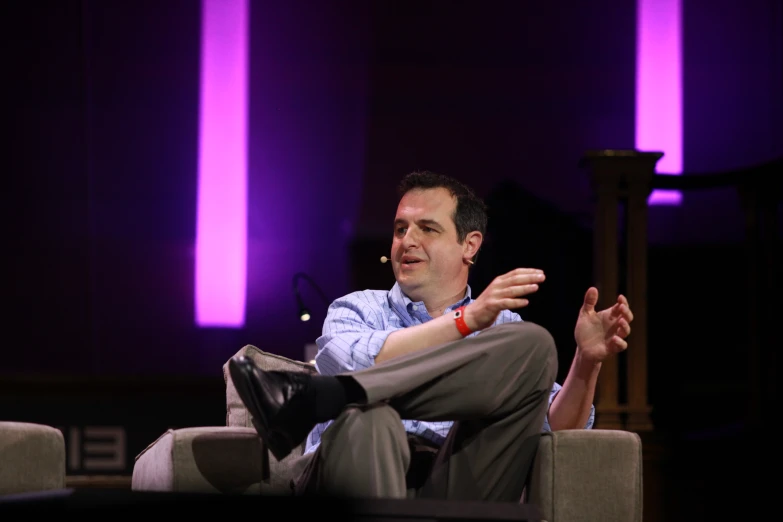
x=733 y=110
x=100 y=195
x=512 y=91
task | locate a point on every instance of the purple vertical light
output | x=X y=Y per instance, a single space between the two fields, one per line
x=221 y=220
x=659 y=88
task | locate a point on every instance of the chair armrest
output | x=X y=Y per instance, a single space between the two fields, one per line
x=204 y=460
x=32 y=458
x=590 y=475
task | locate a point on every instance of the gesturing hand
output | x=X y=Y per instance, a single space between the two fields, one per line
x=600 y=334
x=503 y=293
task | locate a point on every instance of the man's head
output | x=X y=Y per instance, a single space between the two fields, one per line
x=439 y=227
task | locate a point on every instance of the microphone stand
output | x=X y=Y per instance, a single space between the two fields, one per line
x=302 y=309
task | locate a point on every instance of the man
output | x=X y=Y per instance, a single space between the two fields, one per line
x=424 y=391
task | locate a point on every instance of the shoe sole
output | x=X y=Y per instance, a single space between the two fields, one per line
x=278 y=443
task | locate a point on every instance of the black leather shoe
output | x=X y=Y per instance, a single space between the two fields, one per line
x=282 y=410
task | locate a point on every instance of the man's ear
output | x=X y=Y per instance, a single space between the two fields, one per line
x=472 y=244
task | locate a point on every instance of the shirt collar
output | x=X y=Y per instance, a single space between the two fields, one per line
x=403 y=304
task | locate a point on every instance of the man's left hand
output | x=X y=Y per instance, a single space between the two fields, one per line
x=601 y=334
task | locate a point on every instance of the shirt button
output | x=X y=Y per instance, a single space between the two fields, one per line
x=415 y=307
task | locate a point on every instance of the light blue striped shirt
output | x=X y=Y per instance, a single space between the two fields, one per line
x=356 y=327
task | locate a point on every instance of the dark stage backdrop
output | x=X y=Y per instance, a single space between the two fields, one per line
x=100 y=181
x=99 y=197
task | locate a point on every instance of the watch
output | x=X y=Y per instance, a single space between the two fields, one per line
x=459 y=318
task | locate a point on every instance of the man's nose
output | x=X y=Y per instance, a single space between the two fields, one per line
x=410 y=239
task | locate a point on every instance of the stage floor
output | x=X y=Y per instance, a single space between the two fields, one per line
x=105 y=501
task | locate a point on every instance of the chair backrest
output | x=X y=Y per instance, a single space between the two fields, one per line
x=236 y=413
x=277 y=473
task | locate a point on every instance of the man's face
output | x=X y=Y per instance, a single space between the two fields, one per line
x=426 y=257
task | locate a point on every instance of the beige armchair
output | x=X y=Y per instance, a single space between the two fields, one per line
x=589 y=475
x=32 y=458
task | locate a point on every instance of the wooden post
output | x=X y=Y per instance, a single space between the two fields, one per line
x=606 y=185
x=618 y=175
x=639 y=189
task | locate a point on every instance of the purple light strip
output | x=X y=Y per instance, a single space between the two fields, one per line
x=221 y=221
x=659 y=88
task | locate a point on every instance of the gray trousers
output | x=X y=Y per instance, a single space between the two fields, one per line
x=495 y=386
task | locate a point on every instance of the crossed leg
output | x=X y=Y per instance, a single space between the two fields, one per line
x=494 y=386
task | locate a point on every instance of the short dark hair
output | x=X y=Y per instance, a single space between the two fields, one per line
x=470 y=213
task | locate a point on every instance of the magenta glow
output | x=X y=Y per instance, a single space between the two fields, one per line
x=221 y=221
x=659 y=88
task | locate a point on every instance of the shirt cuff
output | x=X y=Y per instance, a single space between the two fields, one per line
x=555 y=390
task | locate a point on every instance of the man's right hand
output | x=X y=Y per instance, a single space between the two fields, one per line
x=506 y=292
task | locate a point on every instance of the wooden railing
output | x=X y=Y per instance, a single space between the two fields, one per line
x=628 y=177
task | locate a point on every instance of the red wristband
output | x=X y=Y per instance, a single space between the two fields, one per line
x=459 y=318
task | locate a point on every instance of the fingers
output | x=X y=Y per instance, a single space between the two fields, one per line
x=510 y=304
x=518 y=290
x=523 y=279
x=591 y=299
x=623 y=328
x=622 y=310
x=617 y=345
x=624 y=307
x=620 y=328
x=506 y=291
x=521 y=272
